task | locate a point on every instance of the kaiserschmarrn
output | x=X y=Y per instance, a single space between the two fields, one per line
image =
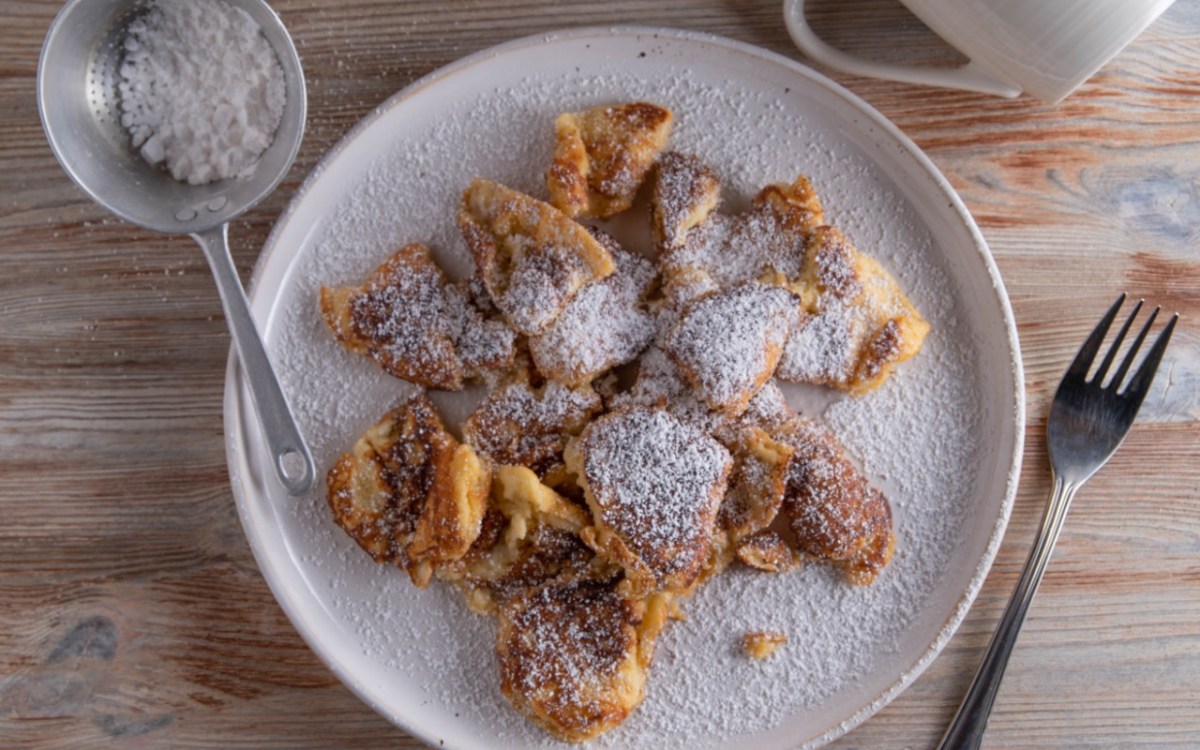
x=633 y=437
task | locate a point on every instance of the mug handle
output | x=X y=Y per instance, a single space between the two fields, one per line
x=969 y=77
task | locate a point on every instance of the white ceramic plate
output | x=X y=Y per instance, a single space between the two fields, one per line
x=943 y=437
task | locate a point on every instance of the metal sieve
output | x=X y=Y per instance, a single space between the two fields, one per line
x=79 y=105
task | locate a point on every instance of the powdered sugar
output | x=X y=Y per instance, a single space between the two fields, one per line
x=769 y=407
x=660 y=384
x=728 y=343
x=532 y=258
x=918 y=436
x=517 y=424
x=605 y=325
x=405 y=317
x=735 y=249
x=656 y=482
x=854 y=326
x=416 y=325
x=201 y=89
x=484 y=345
x=685 y=191
x=822 y=347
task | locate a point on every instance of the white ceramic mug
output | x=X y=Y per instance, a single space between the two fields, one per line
x=1045 y=48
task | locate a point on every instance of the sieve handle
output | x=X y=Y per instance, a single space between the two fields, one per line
x=289 y=453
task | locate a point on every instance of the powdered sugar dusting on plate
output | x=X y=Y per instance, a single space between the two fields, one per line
x=914 y=437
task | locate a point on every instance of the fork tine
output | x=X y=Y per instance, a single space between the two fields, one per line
x=1087 y=352
x=1132 y=353
x=1139 y=384
x=1116 y=344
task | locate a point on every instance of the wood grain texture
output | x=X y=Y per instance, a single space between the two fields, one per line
x=133 y=614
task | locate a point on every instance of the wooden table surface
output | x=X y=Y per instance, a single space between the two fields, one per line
x=132 y=613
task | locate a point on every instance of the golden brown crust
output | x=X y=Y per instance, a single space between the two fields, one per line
x=453 y=514
x=532 y=258
x=765 y=243
x=653 y=484
x=895 y=340
x=604 y=325
x=796 y=206
x=401 y=318
x=860 y=325
x=831 y=268
x=574 y=657
x=527 y=426
x=530 y=538
x=360 y=500
x=756 y=485
x=767 y=411
x=603 y=155
x=766 y=551
x=408 y=493
x=834 y=513
x=567 y=178
x=761 y=644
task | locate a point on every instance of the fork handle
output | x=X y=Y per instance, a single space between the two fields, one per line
x=966 y=731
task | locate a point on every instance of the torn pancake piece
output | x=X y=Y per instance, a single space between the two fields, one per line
x=486 y=345
x=756 y=484
x=605 y=325
x=530 y=538
x=768 y=410
x=761 y=644
x=409 y=493
x=686 y=190
x=653 y=484
x=766 y=551
x=603 y=155
x=766 y=242
x=660 y=384
x=728 y=344
x=532 y=258
x=834 y=512
x=860 y=325
x=574 y=657
x=522 y=425
x=415 y=324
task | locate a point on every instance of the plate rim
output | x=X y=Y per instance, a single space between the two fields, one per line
x=236 y=392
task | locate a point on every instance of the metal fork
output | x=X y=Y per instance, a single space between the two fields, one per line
x=1088 y=420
